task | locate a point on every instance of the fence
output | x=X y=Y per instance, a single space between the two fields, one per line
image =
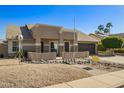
x=38 y=56
x=70 y=55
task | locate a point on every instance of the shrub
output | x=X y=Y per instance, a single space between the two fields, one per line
x=100 y=47
x=112 y=42
x=20 y=54
x=119 y=50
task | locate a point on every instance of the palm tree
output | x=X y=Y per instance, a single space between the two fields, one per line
x=108 y=26
x=106 y=31
x=101 y=28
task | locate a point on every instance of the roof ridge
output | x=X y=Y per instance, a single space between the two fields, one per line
x=47 y=25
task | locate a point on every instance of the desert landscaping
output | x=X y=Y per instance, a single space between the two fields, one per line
x=36 y=75
x=44 y=49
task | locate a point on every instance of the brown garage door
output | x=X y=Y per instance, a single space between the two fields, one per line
x=86 y=47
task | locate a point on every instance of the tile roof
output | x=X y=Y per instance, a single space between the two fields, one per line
x=97 y=37
x=84 y=37
x=81 y=36
x=26 y=33
x=119 y=34
x=13 y=30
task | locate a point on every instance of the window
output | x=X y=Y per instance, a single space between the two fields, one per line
x=54 y=46
x=15 y=46
x=66 y=46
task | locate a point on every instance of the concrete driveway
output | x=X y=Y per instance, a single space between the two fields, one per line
x=115 y=59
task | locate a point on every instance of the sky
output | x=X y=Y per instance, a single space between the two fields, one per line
x=87 y=18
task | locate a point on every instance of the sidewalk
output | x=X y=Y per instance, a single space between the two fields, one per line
x=109 y=80
x=114 y=59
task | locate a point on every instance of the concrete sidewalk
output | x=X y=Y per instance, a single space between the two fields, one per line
x=114 y=59
x=109 y=80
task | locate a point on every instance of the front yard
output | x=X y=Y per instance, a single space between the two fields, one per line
x=37 y=75
x=41 y=75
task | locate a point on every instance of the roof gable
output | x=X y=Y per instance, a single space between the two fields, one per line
x=119 y=34
x=26 y=33
x=12 y=31
x=83 y=37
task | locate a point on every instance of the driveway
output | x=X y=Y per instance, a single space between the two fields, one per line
x=115 y=59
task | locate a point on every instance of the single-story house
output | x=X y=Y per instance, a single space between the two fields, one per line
x=48 y=38
x=95 y=36
x=119 y=34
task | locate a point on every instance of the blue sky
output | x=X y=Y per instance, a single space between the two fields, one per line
x=87 y=17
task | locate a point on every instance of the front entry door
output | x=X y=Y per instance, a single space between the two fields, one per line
x=54 y=47
x=42 y=47
x=66 y=46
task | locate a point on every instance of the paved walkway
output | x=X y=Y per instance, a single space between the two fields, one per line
x=115 y=59
x=110 y=80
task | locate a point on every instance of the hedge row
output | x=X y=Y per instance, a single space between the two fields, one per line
x=112 y=42
x=119 y=50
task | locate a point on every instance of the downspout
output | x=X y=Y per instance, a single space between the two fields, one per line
x=74 y=39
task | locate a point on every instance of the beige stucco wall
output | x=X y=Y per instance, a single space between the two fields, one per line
x=48 y=34
x=29 y=48
x=29 y=41
x=51 y=32
x=68 y=35
x=26 y=44
x=10 y=47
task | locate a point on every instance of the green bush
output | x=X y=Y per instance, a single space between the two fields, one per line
x=112 y=42
x=20 y=54
x=100 y=47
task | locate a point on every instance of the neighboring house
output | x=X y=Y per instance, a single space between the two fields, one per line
x=97 y=37
x=3 y=48
x=47 y=38
x=119 y=34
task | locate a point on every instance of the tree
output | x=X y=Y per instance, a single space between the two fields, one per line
x=109 y=25
x=20 y=55
x=112 y=42
x=104 y=31
x=108 y=28
x=101 y=28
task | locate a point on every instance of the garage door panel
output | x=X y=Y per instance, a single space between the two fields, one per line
x=86 y=47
